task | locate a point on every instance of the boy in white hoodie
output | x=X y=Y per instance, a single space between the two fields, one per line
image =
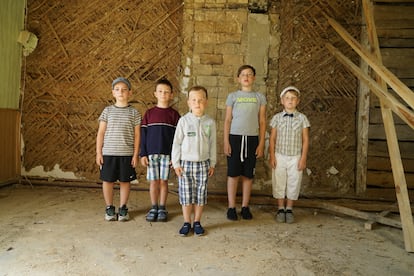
x=194 y=158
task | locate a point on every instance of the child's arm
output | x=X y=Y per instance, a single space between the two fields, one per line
x=137 y=139
x=213 y=149
x=305 y=148
x=262 y=131
x=272 y=148
x=227 y=122
x=99 y=142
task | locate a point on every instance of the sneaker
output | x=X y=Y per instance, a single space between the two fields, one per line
x=123 y=213
x=152 y=215
x=110 y=214
x=289 y=216
x=185 y=229
x=232 y=214
x=281 y=216
x=198 y=229
x=245 y=213
x=162 y=215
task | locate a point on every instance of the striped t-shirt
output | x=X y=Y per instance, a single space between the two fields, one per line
x=119 y=134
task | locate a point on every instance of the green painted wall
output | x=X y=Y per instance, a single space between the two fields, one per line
x=11 y=23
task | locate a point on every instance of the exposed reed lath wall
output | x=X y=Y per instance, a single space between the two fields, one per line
x=83 y=46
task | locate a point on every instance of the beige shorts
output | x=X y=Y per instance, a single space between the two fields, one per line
x=286 y=178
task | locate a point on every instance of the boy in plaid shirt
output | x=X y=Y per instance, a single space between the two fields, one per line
x=288 y=149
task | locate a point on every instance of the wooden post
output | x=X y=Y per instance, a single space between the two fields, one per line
x=363 y=101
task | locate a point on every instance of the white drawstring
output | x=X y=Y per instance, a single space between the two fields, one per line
x=243 y=149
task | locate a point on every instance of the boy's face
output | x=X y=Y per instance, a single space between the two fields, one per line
x=163 y=93
x=197 y=102
x=246 y=78
x=121 y=92
x=290 y=100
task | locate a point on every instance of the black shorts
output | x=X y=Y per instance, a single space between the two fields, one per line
x=235 y=165
x=117 y=168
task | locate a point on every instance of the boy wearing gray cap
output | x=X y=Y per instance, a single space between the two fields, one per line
x=288 y=149
x=117 y=147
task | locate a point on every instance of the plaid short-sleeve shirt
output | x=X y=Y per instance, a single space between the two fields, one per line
x=289 y=132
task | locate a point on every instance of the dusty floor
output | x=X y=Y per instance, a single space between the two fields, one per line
x=61 y=231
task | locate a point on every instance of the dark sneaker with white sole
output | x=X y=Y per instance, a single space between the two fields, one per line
x=198 y=229
x=110 y=214
x=185 y=229
x=123 y=213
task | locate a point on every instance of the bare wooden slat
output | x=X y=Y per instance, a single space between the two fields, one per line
x=379 y=163
x=385 y=179
x=379 y=148
x=405 y=133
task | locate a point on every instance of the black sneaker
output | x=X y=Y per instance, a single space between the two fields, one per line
x=123 y=213
x=152 y=215
x=281 y=216
x=232 y=214
x=185 y=229
x=198 y=229
x=162 y=215
x=289 y=216
x=245 y=213
x=110 y=214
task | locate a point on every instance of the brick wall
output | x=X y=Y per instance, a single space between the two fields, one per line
x=219 y=36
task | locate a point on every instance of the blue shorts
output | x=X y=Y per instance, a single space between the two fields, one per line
x=243 y=156
x=192 y=185
x=158 y=167
x=117 y=168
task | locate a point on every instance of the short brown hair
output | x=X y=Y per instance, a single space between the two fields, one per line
x=246 y=66
x=198 y=88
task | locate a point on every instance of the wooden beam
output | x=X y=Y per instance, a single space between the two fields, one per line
x=369 y=225
x=401 y=110
x=384 y=75
x=361 y=215
x=390 y=132
x=399 y=87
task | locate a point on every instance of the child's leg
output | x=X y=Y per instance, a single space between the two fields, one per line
x=289 y=204
x=247 y=190
x=154 y=191
x=108 y=192
x=198 y=212
x=232 y=190
x=281 y=203
x=163 y=192
x=187 y=212
x=124 y=188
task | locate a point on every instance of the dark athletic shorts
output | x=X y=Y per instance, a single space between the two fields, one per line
x=235 y=165
x=117 y=168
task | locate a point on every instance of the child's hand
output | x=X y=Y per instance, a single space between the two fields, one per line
x=227 y=149
x=272 y=162
x=178 y=171
x=144 y=161
x=210 y=172
x=99 y=160
x=302 y=164
x=134 y=161
x=259 y=152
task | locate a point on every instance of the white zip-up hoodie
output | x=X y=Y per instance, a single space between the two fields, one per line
x=194 y=140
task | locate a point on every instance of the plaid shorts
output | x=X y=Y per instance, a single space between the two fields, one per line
x=158 y=167
x=192 y=185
